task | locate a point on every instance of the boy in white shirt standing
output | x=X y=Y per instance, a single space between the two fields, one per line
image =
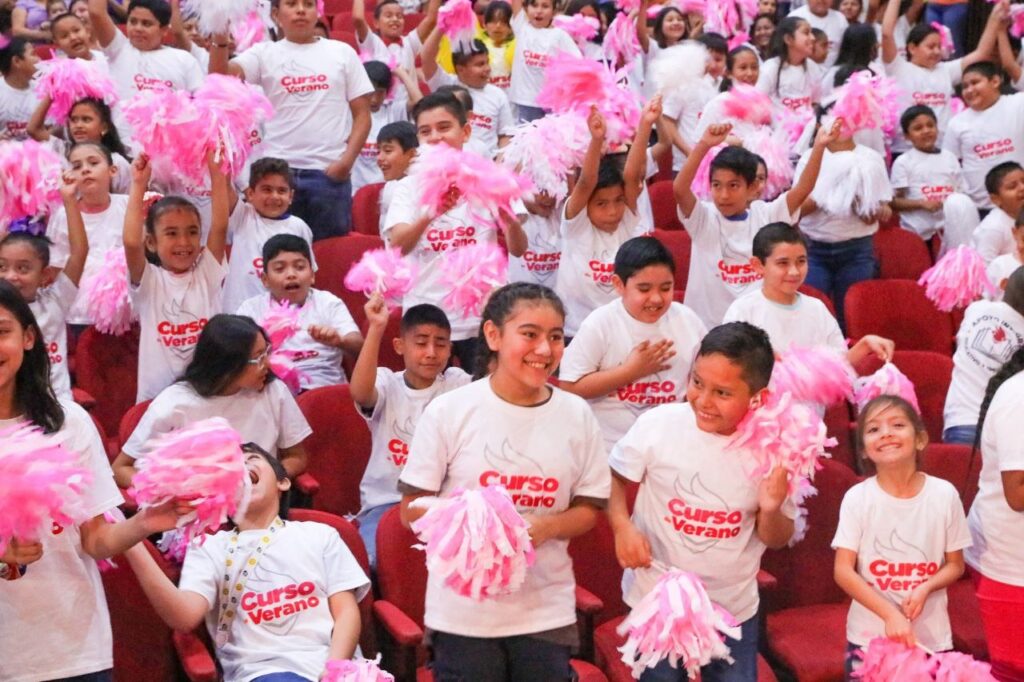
x=18 y=100
x=320 y=94
x=994 y=235
x=396 y=148
x=382 y=113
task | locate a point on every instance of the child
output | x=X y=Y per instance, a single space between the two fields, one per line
x=820 y=55
x=1001 y=267
x=852 y=10
x=388 y=45
x=741 y=66
x=62 y=581
x=858 y=51
x=669 y=29
x=17 y=98
x=302 y=566
x=761 y=34
x=821 y=16
x=441 y=119
x=790 y=76
x=901 y=536
x=263 y=214
x=500 y=42
x=393 y=402
x=789 y=317
x=512 y=428
x=540 y=262
x=1005 y=186
x=228 y=377
x=682 y=116
x=24 y=263
x=723 y=229
x=634 y=353
x=717 y=48
x=396 y=148
x=382 y=112
x=536 y=42
x=327 y=332
x=175 y=297
x=678 y=453
x=72 y=37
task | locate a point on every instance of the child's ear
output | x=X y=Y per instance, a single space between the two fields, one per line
x=248 y=194
x=492 y=334
x=265 y=280
x=620 y=286
x=149 y=242
x=398 y=345
x=50 y=274
x=284 y=485
x=757 y=265
x=467 y=131
x=758 y=399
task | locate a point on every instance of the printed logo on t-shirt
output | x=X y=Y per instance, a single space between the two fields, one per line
x=144 y=82
x=796 y=103
x=503 y=82
x=54 y=351
x=899 y=566
x=255 y=138
x=441 y=239
x=600 y=271
x=274 y=606
x=369 y=151
x=737 y=273
x=930 y=99
x=987 y=150
x=16 y=129
x=302 y=82
x=991 y=341
x=535 y=59
x=522 y=476
x=179 y=329
x=701 y=517
x=257 y=266
x=398 y=446
x=936 y=192
x=542 y=257
x=650 y=391
x=480 y=121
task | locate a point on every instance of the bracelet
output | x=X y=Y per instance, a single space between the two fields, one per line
x=9 y=571
x=221 y=45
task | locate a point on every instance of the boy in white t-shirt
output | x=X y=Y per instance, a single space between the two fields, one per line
x=278 y=597
x=635 y=352
x=396 y=148
x=18 y=99
x=697 y=508
x=392 y=402
x=1001 y=267
x=383 y=111
x=820 y=15
x=537 y=41
x=327 y=332
x=994 y=235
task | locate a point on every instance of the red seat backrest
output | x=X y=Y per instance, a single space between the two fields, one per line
x=678 y=243
x=931 y=374
x=412 y=21
x=898 y=309
x=401 y=570
x=808 y=290
x=130 y=420
x=901 y=254
x=346 y=36
x=342 y=21
x=956 y=464
x=334 y=7
x=106 y=367
x=597 y=569
x=663 y=206
x=334 y=256
x=366 y=209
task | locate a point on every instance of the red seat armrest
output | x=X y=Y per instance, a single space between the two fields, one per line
x=83 y=398
x=766 y=582
x=399 y=626
x=307 y=485
x=195 y=658
x=587 y=602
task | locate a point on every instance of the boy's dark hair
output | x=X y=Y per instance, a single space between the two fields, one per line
x=819 y=35
x=738 y=160
x=908 y=116
x=461 y=93
x=920 y=31
x=39 y=243
x=461 y=58
x=441 y=100
x=402 y=132
x=379 y=7
x=379 y=74
x=424 y=313
x=641 y=252
x=773 y=234
x=609 y=173
x=160 y=9
x=988 y=70
x=13 y=50
x=279 y=473
x=745 y=345
x=994 y=178
x=285 y=243
x=498 y=10
x=269 y=165
x=715 y=42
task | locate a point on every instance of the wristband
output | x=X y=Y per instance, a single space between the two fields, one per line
x=10 y=571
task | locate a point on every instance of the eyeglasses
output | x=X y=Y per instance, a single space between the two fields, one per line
x=260 y=359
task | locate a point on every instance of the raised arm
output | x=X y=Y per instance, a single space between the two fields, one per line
x=1006 y=59
x=78 y=241
x=359 y=20
x=799 y=192
x=20 y=29
x=37 y=129
x=220 y=61
x=429 y=20
x=635 y=172
x=363 y=382
x=682 y=186
x=181 y=39
x=411 y=85
x=220 y=200
x=102 y=25
x=642 y=33
x=889 y=19
x=134 y=231
x=428 y=55
x=987 y=43
x=181 y=610
x=591 y=162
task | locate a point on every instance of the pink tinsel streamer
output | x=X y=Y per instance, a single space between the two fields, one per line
x=383 y=271
x=888 y=380
x=886 y=660
x=729 y=17
x=815 y=375
x=456 y=20
x=30 y=177
x=470 y=274
x=621 y=47
x=677 y=621
x=868 y=102
x=41 y=483
x=580 y=28
x=66 y=81
x=477 y=542
x=107 y=299
x=746 y=103
x=248 y=32
x=953 y=666
x=548 y=151
x=702 y=180
x=282 y=323
x=1017 y=20
x=690 y=6
x=957 y=280
x=356 y=670
x=628 y=6
x=945 y=39
x=773 y=146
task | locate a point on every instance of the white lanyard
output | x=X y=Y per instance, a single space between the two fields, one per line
x=238 y=573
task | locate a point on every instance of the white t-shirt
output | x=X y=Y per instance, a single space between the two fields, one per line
x=387 y=193
x=270 y=418
x=839 y=227
x=901 y=543
x=931 y=87
x=997 y=531
x=249 y=231
x=797 y=88
x=605 y=340
x=546 y=456
x=310 y=86
x=402 y=53
x=172 y=310
x=990 y=333
x=392 y=423
x=805 y=323
x=491 y=116
x=685 y=108
x=926 y=176
x=106 y=233
x=54 y=621
x=1000 y=269
x=534 y=47
x=319 y=363
x=720 y=270
x=365 y=171
x=16 y=108
x=539 y=264
x=993 y=237
x=984 y=139
x=834 y=24
x=697 y=506
x=284 y=623
x=588 y=263
x=51 y=310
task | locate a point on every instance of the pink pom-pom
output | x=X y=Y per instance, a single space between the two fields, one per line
x=945 y=39
x=356 y=670
x=30 y=177
x=628 y=6
x=956 y=106
x=729 y=17
x=470 y=274
x=677 y=621
x=953 y=666
x=282 y=323
x=621 y=46
x=248 y=32
x=738 y=39
x=702 y=180
x=547 y=151
x=477 y=542
x=383 y=271
x=231 y=110
x=813 y=375
x=203 y=463
x=888 y=380
x=580 y=28
x=456 y=20
x=773 y=146
x=1017 y=20
x=41 y=483
x=746 y=103
x=107 y=301
x=868 y=102
x=794 y=122
x=690 y=6
x=957 y=280
x=886 y=660
x=66 y=81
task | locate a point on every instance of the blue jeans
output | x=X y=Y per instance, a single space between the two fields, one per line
x=852 y=661
x=953 y=17
x=368 y=520
x=526 y=114
x=457 y=658
x=834 y=267
x=742 y=669
x=325 y=205
x=102 y=676
x=281 y=677
x=962 y=435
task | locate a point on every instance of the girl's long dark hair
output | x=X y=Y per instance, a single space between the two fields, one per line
x=856 y=52
x=499 y=306
x=111 y=139
x=222 y=353
x=778 y=48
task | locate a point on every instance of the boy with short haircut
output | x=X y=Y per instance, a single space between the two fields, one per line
x=18 y=99
x=633 y=353
x=723 y=229
x=396 y=148
x=994 y=236
x=697 y=508
x=718 y=50
x=382 y=113
x=327 y=331
x=392 y=402
x=820 y=53
x=1000 y=269
x=263 y=214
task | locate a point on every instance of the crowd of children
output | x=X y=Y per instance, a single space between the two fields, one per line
x=586 y=381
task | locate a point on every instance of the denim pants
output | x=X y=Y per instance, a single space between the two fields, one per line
x=526 y=114
x=834 y=267
x=281 y=677
x=102 y=676
x=457 y=658
x=742 y=669
x=325 y=205
x=368 y=520
x=962 y=435
x=953 y=17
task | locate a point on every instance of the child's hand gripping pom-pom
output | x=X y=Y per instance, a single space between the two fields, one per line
x=888 y=380
x=621 y=46
x=107 y=300
x=281 y=323
x=383 y=271
x=470 y=274
x=456 y=20
x=813 y=375
x=886 y=660
x=868 y=102
x=202 y=463
x=677 y=621
x=953 y=666
x=702 y=179
x=957 y=280
x=30 y=179
x=219 y=16
x=356 y=670
x=548 y=150
x=476 y=541
x=580 y=28
x=746 y=103
x=41 y=483
x=66 y=81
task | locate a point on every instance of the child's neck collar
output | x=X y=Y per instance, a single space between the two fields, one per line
x=901 y=479
x=412 y=381
x=518 y=394
x=94 y=202
x=285 y=300
x=779 y=297
x=258 y=520
x=18 y=82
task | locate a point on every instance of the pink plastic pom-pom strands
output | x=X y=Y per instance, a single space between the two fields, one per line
x=747 y=103
x=218 y=16
x=885 y=660
x=66 y=81
x=282 y=323
x=456 y=20
x=383 y=271
x=30 y=177
x=356 y=670
x=888 y=380
x=957 y=280
x=548 y=150
x=868 y=102
x=816 y=375
x=953 y=666
x=471 y=273
x=108 y=302
x=621 y=46
x=579 y=27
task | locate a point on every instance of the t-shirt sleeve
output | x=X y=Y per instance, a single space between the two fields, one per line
x=402 y=209
x=211 y=270
x=382 y=383
x=57 y=232
x=250 y=63
x=958 y=535
x=629 y=457
x=440 y=79
x=900 y=177
x=340 y=318
x=341 y=568
x=199 y=573
x=850 y=527
x=505 y=119
x=193 y=73
x=160 y=418
x=583 y=356
x=427 y=464
x=116 y=47
x=951 y=140
x=955 y=71
x=357 y=83
x=102 y=494
x=698 y=222
x=1005 y=424
x=595 y=480
x=778 y=210
x=293 y=425
x=63 y=291
x=576 y=225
